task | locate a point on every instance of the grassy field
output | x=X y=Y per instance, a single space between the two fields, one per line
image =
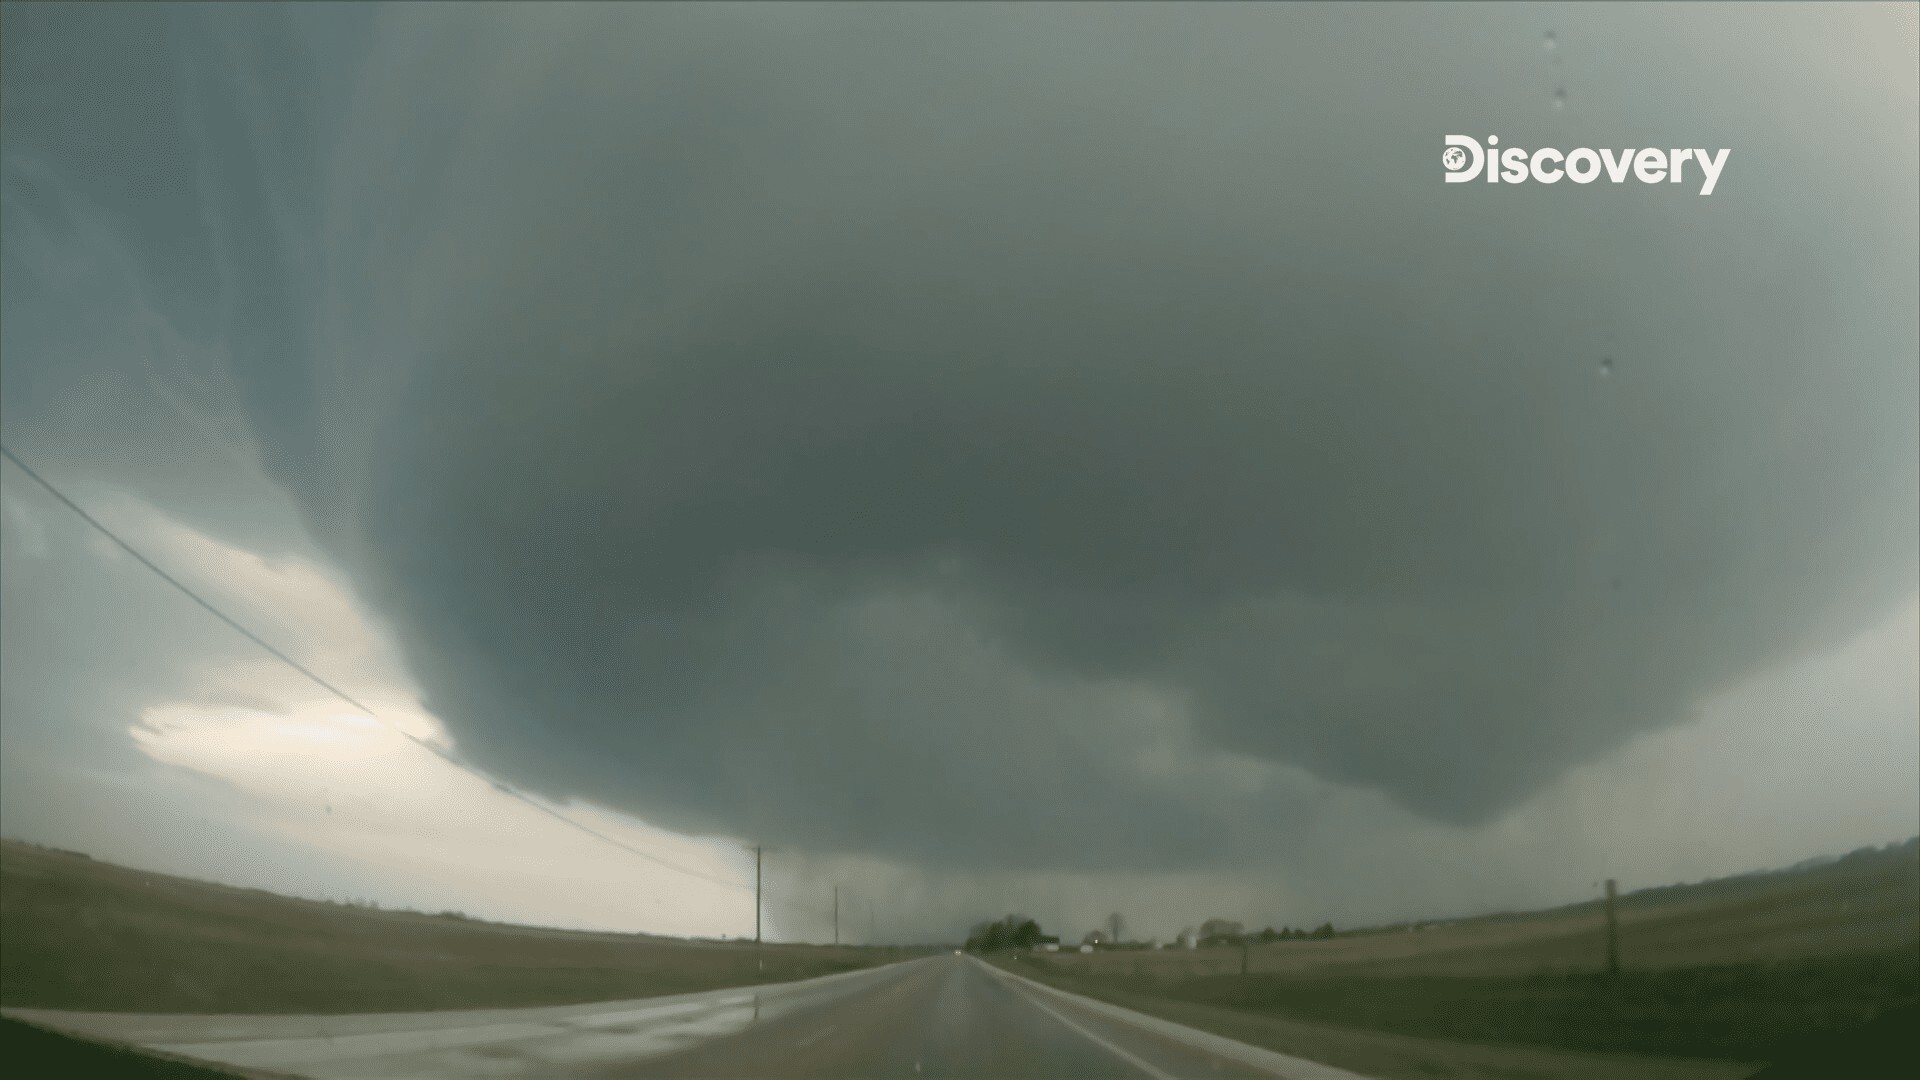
x=1736 y=1012
x=1746 y=970
x=1868 y=902
x=81 y=934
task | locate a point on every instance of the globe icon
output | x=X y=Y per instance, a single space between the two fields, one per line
x=1454 y=158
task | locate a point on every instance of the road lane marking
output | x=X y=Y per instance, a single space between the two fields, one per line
x=1270 y=1061
x=1120 y=1052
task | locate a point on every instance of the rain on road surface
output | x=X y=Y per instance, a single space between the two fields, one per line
x=944 y=1016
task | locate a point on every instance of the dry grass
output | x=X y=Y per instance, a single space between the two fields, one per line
x=1867 y=903
x=81 y=934
x=1755 y=969
x=1390 y=1056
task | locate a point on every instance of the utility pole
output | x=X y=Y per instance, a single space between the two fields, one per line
x=1613 y=934
x=836 y=916
x=756 y=894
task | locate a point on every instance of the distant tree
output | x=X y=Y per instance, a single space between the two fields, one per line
x=1269 y=935
x=1220 y=928
x=1323 y=931
x=1024 y=934
x=1012 y=932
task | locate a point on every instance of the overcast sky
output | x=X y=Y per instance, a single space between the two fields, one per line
x=1041 y=458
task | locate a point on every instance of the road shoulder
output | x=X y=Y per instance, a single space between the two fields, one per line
x=1395 y=1057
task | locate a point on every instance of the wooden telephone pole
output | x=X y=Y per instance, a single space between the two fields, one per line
x=1613 y=934
x=836 y=915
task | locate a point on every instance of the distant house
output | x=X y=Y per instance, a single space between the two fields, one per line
x=1189 y=938
x=1086 y=948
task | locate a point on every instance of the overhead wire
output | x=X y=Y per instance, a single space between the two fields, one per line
x=425 y=744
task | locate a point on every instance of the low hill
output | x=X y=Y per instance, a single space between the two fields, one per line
x=1865 y=902
x=77 y=933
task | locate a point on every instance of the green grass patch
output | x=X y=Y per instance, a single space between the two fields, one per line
x=1752 y=1012
x=80 y=934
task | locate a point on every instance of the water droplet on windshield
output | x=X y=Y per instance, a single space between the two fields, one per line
x=1606 y=366
x=1550 y=40
x=1560 y=97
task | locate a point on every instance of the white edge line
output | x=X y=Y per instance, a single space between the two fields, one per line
x=1116 y=1051
x=1284 y=1065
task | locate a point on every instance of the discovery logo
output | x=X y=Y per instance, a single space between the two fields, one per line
x=1466 y=159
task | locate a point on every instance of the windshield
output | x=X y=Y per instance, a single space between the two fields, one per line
x=1215 y=502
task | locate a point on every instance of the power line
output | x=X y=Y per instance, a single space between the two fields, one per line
x=424 y=744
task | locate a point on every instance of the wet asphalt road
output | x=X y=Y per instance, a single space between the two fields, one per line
x=944 y=1016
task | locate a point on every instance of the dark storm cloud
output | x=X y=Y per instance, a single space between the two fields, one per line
x=981 y=435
